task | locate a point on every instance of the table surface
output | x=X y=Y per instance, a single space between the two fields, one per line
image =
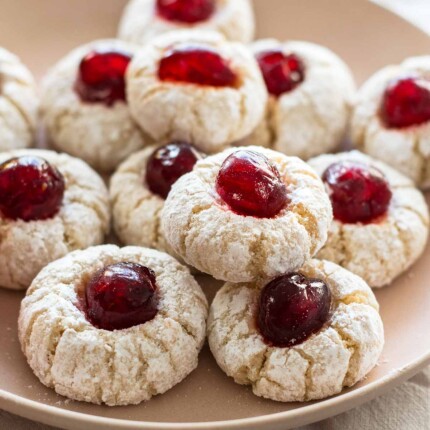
x=405 y=408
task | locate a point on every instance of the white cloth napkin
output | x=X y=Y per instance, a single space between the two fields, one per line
x=415 y=11
x=404 y=408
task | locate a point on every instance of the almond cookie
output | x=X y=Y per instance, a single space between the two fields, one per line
x=84 y=105
x=311 y=92
x=381 y=220
x=197 y=87
x=50 y=204
x=113 y=326
x=299 y=337
x=18 y=103
x=139 y=188
x=145 y=19
x=247 y=213
x=391 y=120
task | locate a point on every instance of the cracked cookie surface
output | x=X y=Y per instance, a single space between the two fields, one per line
x=67 y=353
x=236 y=248
x=406 y=149
x=136 y=209
x=83 y=221
x=341 y=354
x=102 y=136
x=312 y=118
x=18 y=103
x=211 y=118
x=233 y=18
x=379 y=251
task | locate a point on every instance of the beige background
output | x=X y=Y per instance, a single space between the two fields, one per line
x=405 y=408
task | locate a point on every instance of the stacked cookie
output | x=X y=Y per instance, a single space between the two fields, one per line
x=254 y=218
x=50 y=204
x=83 y=105
x=113 y=326
x=381 y=220
x=392 y=116
x=18 y=103
x=203 y=134
x=311 y=92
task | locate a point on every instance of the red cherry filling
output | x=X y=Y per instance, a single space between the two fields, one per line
x=121 y=296
x=292 y=308
x=359 y=193
x=167 y=164
x=282 y=72
x=196 y=65
x=186 y=11
x=406 y=103
x=30 y=189
x=251 y=185
x=101 y=77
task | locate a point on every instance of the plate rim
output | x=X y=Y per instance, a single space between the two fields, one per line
x=52 y=415
x=302 y=416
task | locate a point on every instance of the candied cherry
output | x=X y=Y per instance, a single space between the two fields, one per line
x=31 y=189
x=167 y=164
x=121 y=296
x=186 y=11
x=292 y=308
x=196 y=65
x=251 y=185
x=101 y=77
x=406 y=103
x=282 y=72
x=359 y=193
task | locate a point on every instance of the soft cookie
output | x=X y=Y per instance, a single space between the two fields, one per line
x=139 y=188
x=114 y=326
x=145 y=19
x=196 y=86
x=381 y=220
x=50 y=204
x=247 y=213
x=391 y=119
x=85 y=108
x=18 y=103
x=299 y=337
x=311 y=93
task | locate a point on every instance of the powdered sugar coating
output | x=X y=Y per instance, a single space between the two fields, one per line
x=380 y=251
x=235 y=248
x=233 y=18
x=312 y=118
x=120 y=367
x=341 y=354
x=18 y=103
x=210 y=118
x=136 y=209
x=406 y=149
x=102 y=136
x=83 y=221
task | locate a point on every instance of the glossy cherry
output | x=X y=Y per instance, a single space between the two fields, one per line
x=167 y=164
x=359 y=193
x=292 y=308
x=121 y=296
x=406 y=103
x=101 y=77
x=251 y=185
x=186 y=11
x=282 y=72
x=196 y=65
x=31 y=189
